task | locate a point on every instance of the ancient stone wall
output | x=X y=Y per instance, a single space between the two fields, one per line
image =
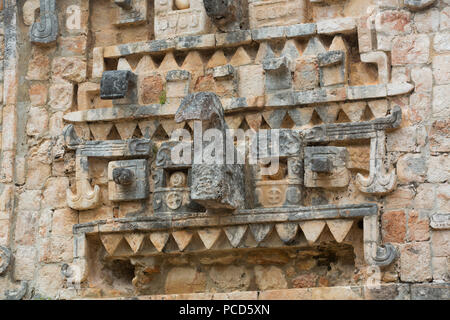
x=93 y=204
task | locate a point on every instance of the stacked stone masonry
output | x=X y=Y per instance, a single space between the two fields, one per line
x=93 y=205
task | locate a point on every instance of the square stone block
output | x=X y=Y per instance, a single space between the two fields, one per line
x=128 y=180
x=326 y=167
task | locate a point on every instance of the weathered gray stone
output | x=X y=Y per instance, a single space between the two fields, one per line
x=46 y=30
x=119 y=84
x=418 y=4
x=227 y=15
x=5 y=259
x=128 y=180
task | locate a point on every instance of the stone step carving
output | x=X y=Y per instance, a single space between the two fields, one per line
x=131 y=12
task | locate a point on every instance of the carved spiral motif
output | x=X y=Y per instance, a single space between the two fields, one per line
x=177 y=179
x=174 y=200
x=163 y=156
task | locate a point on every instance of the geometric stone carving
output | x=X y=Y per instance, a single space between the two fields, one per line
x=418 y=4
x=159 y=240
x=227 y=15
x=5 y=259
x=235 y=234
x=374 y=253
x=182 y=238
x=379 y=181
x=264 y=13
x=440 y=221
x=111 y=242
x=260 y=231
x=354 y=131
x=339 y=228
x=325 y=167
x=87 y=197
x=312 y=229
x=287 y=231
x=46 y=30
x=128 y=180
x=209 y=236
x=176 y=19
x=382 y=61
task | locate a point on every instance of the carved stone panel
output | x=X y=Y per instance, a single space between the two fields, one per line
x=45 y=31
x=265 y=13
x=128 y=180
x=227 y=15
x=218 y=186
x=325 y=167
x=174 y=18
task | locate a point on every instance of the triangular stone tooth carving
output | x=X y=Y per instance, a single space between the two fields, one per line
x=264 y=52
x=145 y=65
x=111 y=242
x=240 y=58
x=148 y=128
x=218 y=59
x=254 y=120
x=182 y=238
x=339 y=43
x=354 y=110
x=126 y=129
x=170 y=125
x=314 y=47
x=193 y=62
x=291 y=50
x=274 y=118
x=209 y=236
x=159 y=240
x=260 y=231
x=100 y=131
x=379 y=108
x=124 y=65
x=301 y=116
x=235 y=234
x=169 y=63
x=287 y=231
x=135 y=241
x=328 y=113
x=234 y=122
x=339 y=228
x=312 y=229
